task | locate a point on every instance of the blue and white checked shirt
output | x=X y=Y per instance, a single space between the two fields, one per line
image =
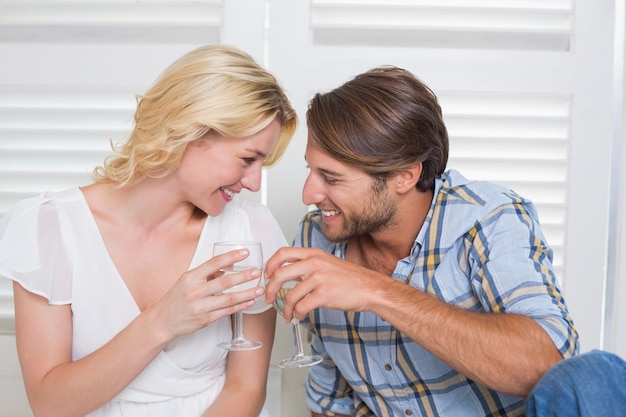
x=481 y=249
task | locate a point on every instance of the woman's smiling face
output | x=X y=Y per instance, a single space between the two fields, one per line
x=213 y=171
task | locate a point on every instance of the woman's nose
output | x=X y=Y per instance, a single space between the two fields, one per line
x=252 y=180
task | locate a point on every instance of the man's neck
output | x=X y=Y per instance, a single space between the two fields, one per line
x=381 y=250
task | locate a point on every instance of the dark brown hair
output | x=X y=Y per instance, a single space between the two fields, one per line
x=382 y=121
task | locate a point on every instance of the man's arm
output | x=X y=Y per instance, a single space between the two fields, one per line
x=505 y=352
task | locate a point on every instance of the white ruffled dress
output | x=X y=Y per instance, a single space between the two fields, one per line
x=50 y=244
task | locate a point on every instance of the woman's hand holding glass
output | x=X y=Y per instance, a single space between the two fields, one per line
x=198 y=298
x=252 y=263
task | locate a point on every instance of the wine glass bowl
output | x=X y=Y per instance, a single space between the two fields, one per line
x=279 y=302
x=299 y=359
x=253 y=261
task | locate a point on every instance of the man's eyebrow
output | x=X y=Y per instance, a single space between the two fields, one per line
x=329 y=172
x=324 y=171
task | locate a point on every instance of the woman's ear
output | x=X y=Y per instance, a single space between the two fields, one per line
x=407 y=179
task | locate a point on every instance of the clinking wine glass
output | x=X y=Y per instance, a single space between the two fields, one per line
x=299 y=359
x=253 y=261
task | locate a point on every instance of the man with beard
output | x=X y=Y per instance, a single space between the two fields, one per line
x=426 y=293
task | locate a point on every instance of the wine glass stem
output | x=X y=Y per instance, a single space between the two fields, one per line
x=238 y=326
x=297 y=337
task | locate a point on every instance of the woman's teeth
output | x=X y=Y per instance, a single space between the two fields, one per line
x=228 y=192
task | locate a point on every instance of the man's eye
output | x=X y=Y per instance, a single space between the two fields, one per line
x=330 y=181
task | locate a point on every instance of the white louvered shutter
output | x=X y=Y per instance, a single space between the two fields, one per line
x=68 y=81
x=525 y=87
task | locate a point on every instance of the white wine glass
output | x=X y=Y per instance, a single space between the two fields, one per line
x=253 y=261
x=299 y=359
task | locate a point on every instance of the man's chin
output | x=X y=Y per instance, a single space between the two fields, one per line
x=331 y=237
x=335 y=237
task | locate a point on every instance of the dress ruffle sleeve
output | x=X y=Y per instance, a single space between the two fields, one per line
x=35 y=251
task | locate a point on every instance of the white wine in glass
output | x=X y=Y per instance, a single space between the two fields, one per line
x=299 y=359
x=253 y=261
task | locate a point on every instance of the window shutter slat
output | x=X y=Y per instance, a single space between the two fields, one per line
x=522 y=25
x=111 y=21
x=52 y=139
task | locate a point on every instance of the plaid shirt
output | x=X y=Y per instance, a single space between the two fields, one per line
x=481 y=249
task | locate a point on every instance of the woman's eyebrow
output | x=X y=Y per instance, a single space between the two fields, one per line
x=257 y=152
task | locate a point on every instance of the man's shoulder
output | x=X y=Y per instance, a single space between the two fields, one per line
x=462 y=203
x=456 y=189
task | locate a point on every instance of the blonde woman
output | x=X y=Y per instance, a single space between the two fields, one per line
x=117 y=303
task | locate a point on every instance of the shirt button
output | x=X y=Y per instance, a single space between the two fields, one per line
x=387 y=367
x=408 y=412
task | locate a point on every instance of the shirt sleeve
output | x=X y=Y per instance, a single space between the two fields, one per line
x=512 y=272
x=35 y=251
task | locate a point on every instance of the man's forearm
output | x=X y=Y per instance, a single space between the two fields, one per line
x=505 y=352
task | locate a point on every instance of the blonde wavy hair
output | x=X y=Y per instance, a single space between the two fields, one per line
x=212 y=90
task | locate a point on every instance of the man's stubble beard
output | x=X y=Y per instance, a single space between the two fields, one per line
x=373 y=216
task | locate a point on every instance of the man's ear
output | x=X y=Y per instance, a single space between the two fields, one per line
x=406 y=179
